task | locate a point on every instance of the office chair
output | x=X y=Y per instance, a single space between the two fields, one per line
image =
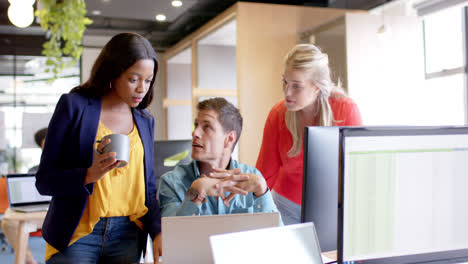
x=164 y=149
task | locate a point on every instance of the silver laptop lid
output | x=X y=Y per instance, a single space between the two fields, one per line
x=22 y=190
x=296 y=244
x=185 y=239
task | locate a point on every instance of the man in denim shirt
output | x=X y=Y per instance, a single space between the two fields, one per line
x=214 y=183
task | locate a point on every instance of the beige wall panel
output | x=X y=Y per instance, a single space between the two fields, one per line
x=266 y=33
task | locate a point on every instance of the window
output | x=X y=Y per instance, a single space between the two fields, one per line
x=27 y=102
x=445 y=68
x=443 y=34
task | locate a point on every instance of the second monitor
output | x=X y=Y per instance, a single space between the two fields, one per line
x=388 y=195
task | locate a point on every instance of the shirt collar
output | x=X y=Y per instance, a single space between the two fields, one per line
x=197 y=170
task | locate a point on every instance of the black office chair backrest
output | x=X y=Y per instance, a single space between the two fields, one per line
x=167 y=148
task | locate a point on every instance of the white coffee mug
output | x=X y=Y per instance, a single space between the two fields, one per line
x=120 y=144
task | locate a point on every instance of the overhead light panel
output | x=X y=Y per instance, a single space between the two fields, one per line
x=160 y=17
x=176 y=3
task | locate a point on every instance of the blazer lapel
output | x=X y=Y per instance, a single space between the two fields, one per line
x=88 y=130
x=145 y=137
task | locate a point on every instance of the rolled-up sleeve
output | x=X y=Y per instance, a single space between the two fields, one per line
x=264 y=203
x=172 y=197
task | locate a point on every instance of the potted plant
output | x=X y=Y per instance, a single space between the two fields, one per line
x=65 y=22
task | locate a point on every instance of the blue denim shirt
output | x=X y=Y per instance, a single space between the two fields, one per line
x=174 y=184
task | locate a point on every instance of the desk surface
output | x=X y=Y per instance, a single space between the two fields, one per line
x=14 y=215
x=21 y=216
x=25 y=224
x=329 y=254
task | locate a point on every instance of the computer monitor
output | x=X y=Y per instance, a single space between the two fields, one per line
x=402 y=193
x=320 y=183
x=164 y=149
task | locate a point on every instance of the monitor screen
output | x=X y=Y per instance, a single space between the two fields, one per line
x=404 y=195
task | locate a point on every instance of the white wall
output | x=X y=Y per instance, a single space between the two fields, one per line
x=179 y=81
x=179 y=125
x=438 y=101
x=385 y=75
x=217 y=67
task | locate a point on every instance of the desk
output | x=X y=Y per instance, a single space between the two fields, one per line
x=25 y=227
x=332 y=255
x=329 y=254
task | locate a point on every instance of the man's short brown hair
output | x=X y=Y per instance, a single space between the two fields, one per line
x=228 y=115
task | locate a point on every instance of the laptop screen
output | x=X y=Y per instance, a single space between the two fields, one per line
x=299 y=245
x=186 y=238
x=22 y=189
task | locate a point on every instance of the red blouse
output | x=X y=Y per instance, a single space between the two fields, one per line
x=282 y=173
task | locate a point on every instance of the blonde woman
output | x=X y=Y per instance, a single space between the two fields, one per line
x=310 y=99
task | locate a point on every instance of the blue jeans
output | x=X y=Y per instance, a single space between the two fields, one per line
x=113 y=240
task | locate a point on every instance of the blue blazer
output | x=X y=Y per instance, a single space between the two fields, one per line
x=68 y=153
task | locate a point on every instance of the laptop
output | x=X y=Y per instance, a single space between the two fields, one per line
x=23 y=195
x=296 y=244
x=185 y=239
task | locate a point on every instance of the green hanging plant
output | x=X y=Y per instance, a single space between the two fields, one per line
x=65 y=22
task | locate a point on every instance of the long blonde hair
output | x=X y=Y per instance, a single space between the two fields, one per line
x=308 y=58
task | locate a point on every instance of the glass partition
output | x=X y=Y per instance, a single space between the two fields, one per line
x=178 y=100
x=216 y=59
x=179 y=76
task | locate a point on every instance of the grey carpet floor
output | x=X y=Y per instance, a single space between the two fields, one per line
x=37 y=245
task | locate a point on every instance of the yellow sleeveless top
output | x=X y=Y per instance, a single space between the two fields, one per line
x=121 y=192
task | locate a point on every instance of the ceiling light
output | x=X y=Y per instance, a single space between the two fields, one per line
x=21 y=15
x=160 y=17
x=176 y=3
x=96 y=12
